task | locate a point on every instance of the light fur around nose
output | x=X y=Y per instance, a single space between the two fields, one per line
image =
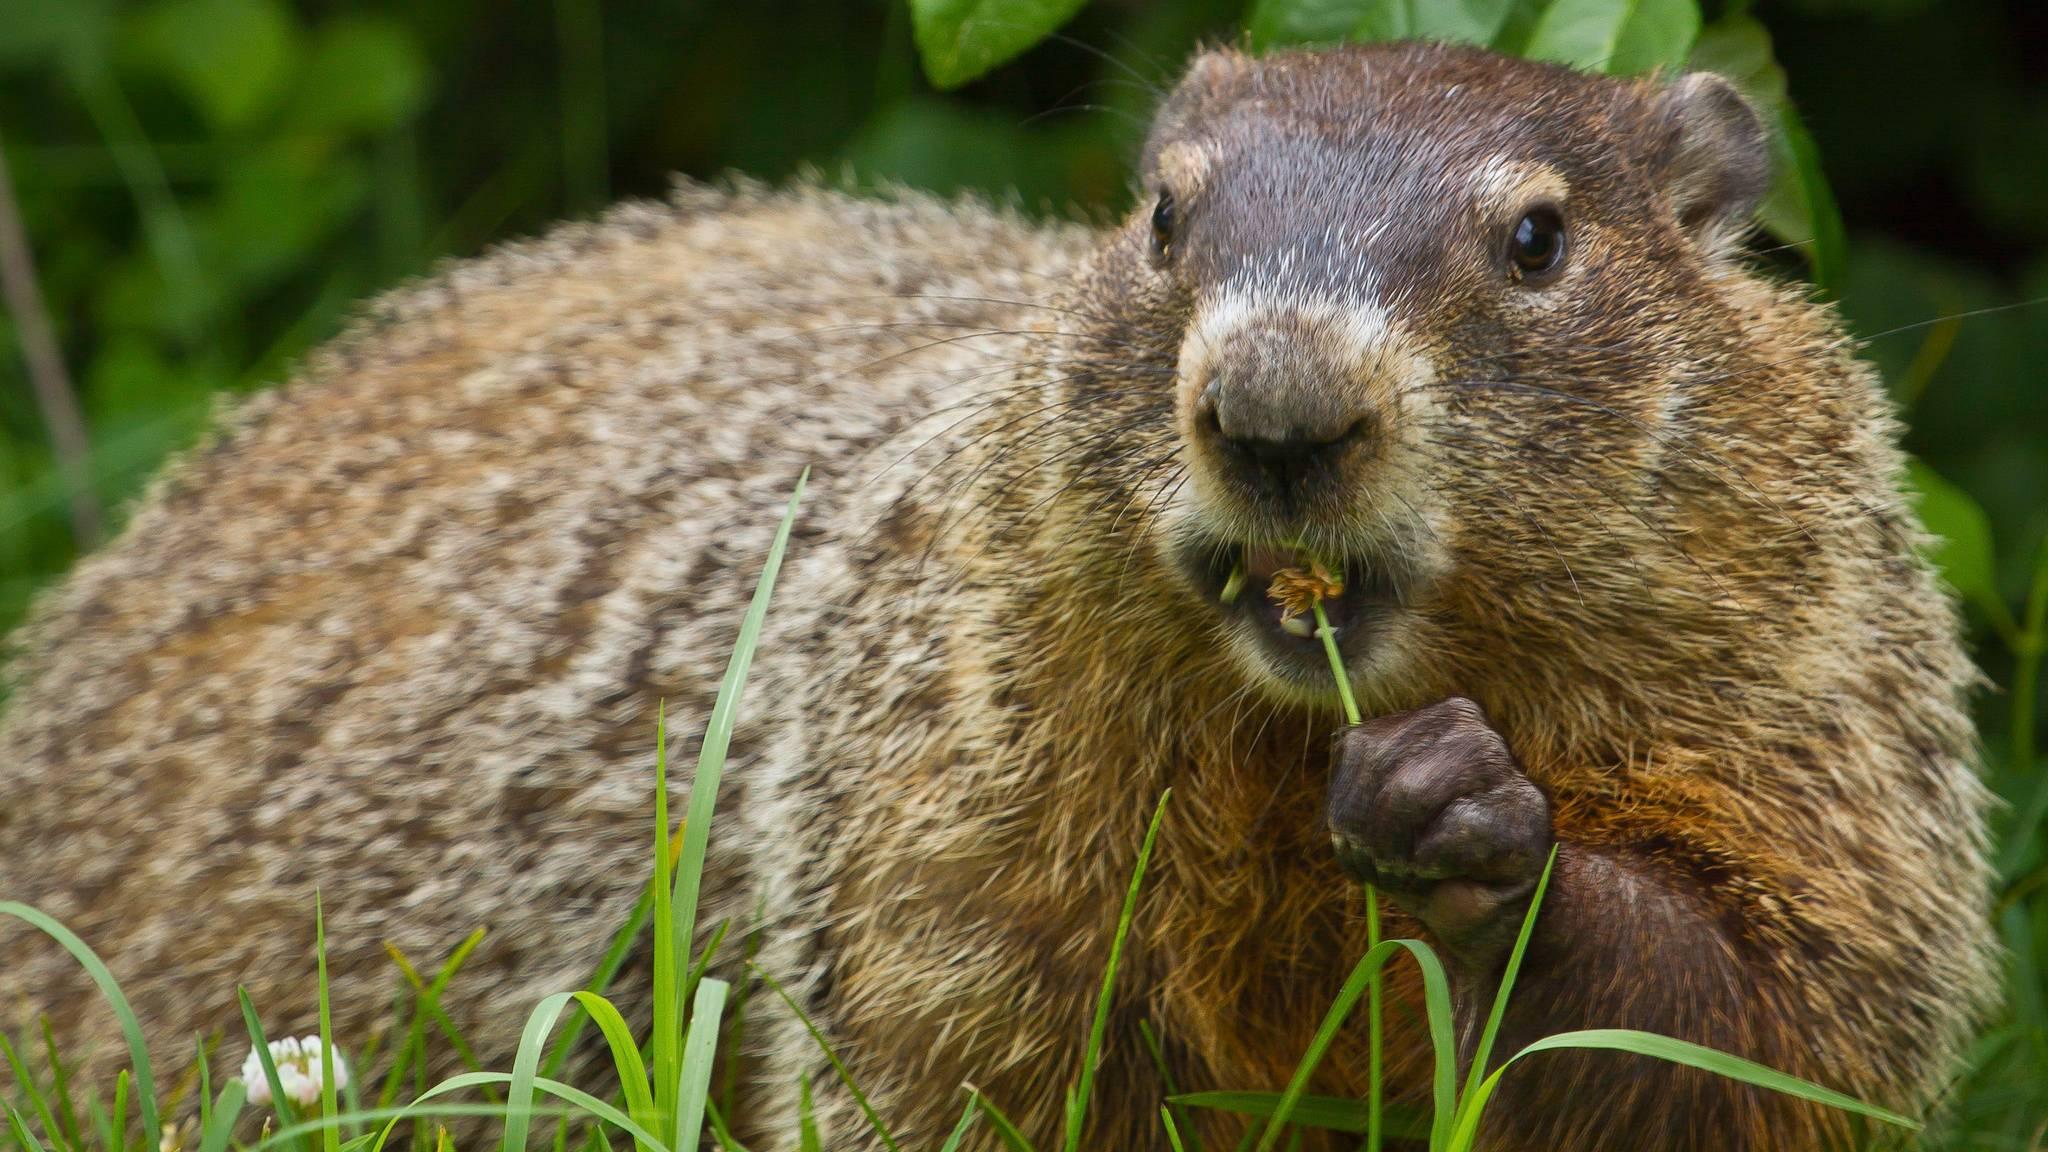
x=1309 y=369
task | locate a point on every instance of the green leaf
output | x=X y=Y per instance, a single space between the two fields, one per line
x=1455 y=21
x=231 y=57
x=1963 y=548
x=1276 y=22
x=1800 y=208
x=1738 y=48
x=960 y=40
x=366 y=74
x=1620 y=36
x=1807 y=187
x=36 y=31
x=860 y=1098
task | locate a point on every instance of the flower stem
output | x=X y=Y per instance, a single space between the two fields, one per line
x=1372 y=896
x=1329 y=637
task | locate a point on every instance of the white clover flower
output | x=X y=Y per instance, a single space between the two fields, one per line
x=298 y=1071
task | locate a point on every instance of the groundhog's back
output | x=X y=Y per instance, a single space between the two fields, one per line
x=397 y=629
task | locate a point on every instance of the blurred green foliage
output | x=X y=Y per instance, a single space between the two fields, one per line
x=210 y=185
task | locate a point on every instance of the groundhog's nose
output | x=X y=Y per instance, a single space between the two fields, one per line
x=1278 y=437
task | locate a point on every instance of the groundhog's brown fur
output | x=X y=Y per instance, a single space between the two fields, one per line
x=399 y=630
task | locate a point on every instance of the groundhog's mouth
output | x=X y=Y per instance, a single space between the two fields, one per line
x=1239 y=579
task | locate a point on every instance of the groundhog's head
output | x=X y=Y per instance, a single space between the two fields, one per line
x=1418 y=305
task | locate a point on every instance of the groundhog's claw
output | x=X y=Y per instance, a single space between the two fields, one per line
x=1431 y=807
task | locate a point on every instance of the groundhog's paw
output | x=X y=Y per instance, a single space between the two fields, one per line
x=1431 y=807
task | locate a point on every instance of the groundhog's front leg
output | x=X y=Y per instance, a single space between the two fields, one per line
x=1431 y=806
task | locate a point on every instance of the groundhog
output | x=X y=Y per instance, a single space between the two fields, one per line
x=1625 y=569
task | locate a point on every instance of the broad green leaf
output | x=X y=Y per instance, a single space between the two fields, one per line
x=1799 y=209
x=1276 y=22
x=1739 y=49
x=1963 y=549
x=1616 y=35
x=36 y=31
x=960 y=40
x=1312 y=21
x=365 y=74
x=1462 y=21
x=1658 y=34
x=1808 y=187
x=231 y=57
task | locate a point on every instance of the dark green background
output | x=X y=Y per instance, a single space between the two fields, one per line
x=210 y=185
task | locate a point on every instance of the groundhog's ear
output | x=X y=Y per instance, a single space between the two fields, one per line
x=1213 y=79
x=1709 y=153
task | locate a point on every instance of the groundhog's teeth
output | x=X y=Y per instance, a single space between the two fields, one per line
x=1297 y=626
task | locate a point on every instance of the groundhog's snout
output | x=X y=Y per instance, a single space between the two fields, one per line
x=1287 y=409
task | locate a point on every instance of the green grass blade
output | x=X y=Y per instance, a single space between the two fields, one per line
x=689 y=873
x=1158 y=1054
x=60 y=1087
x=1437 y=997
x=1098 y=1031
x=1719 y=1063
x=572 y=1095
x=1006 y=1130
x=131 y=1028
x=845 y=1077
x=117 y=1125
x=219 y=1126
x=19 y=1127
x=700 y=1060
x=1484 y=1052
x=1675 y=1051
x=665 y=1045
x=806 y=1118
x=625 y=1056
x=960 y=1127
x=260 y=1044
x=600 y=983
x=719 y=1131
x=1172 y=1130
x=427 y=1008
x=36 y=1098
x=1376 y=1106
x=330 y=1136
x=526 y=1069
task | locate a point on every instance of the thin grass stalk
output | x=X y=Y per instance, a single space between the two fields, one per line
x=1375 y=1002
x=1098 y=1031
x=330 y=1110
x=131 y=1028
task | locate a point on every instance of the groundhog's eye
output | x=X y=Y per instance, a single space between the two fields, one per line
x=1163 y=219
x=1537 y=247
